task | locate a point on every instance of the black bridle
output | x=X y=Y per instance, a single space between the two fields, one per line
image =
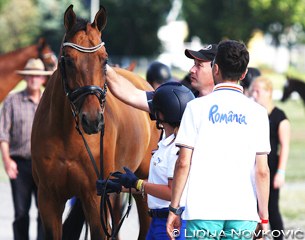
x=76 y=97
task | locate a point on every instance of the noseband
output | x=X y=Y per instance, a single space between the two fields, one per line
x=80 y=93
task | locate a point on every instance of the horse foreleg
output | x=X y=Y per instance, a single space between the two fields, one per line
x=91 y=207
x=117 y=207
x=144 y=219
x=51 y=211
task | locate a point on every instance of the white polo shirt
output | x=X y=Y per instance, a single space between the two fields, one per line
x=162 y=165
x=225 y=129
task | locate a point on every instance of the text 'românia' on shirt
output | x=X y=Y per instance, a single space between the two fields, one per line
x=230 y=117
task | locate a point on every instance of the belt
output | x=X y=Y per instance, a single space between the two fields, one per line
x=19 y=158
x=158 y=213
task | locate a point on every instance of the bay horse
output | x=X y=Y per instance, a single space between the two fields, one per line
x=16 y=60
x=293 y=85
x=76 y=96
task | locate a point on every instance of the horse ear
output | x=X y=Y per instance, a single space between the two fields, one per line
x=100 y=19
x=69 y=18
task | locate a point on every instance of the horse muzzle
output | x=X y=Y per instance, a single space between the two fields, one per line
x=92 y=124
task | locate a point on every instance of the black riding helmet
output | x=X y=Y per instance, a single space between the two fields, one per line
x=170 y=99
x=158 y=72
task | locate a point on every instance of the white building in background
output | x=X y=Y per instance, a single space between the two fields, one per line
x=263 y=53
x=172 y=36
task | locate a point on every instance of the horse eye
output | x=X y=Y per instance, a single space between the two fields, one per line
x=69 y=61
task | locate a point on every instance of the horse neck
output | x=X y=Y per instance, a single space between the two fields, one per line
x=9 y=63
x=58 y=104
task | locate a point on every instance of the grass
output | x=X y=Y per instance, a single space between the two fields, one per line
x=292 y=206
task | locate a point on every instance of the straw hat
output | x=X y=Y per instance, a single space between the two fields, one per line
x=34 y=67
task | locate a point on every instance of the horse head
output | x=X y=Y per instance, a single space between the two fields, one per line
x=46 y=54
x=83 y=68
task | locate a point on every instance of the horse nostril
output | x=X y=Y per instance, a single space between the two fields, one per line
x=85 y=119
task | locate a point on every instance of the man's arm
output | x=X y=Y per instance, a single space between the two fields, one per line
x=181 y=173
x=262 y=181
x=126 y=91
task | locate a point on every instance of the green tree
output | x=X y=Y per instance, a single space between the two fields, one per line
x=52 y=14
x=19 y=25
x=214 y=20
x=2 y=3
x=280 y=18
x=132 y=26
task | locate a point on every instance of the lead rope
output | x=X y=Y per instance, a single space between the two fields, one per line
x=105 y=203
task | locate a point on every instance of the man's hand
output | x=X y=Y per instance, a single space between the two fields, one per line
x=11 y=168
x=173 y=225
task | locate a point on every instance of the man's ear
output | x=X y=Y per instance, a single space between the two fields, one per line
x=243 y=75
x=216 y=69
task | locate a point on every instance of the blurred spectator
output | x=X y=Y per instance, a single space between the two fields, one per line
x=186 y=81
x=157 y=74
x=250 y=76
x=16 y=121
x=261 y=90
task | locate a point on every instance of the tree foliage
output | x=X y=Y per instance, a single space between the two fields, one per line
x=280 y=18
x=213 y=21
x=237 y=19
x=3 y=3
x=132 y=26
x=18 y=27
x=52 y=12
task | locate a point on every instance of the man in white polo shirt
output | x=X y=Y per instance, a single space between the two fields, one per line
x=224 y=142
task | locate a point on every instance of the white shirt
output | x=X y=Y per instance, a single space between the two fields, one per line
x=161 y=168
x=225 y=129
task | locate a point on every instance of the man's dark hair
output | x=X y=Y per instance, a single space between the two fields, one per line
x=232 y=58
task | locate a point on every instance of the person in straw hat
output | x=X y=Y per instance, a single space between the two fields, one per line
x=16 y=118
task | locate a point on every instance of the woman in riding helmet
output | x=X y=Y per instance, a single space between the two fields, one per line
x=157 y=74
x=168 y=104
